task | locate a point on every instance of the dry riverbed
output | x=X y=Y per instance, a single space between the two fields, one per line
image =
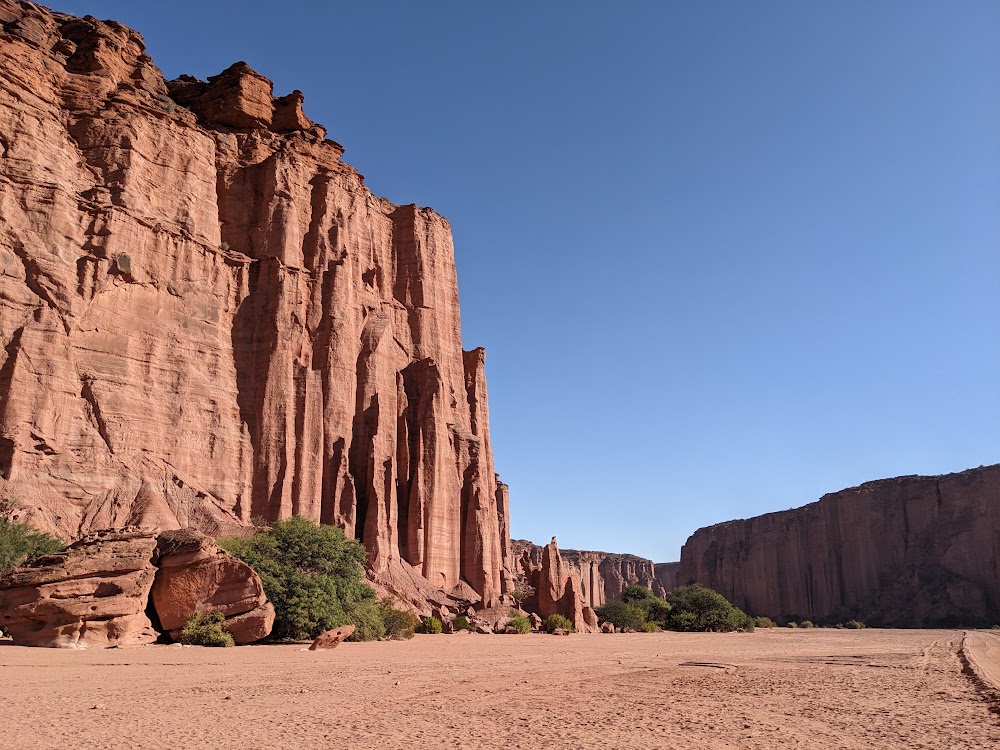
x=770 y=689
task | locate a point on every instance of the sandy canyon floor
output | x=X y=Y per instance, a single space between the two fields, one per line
x=770 y=689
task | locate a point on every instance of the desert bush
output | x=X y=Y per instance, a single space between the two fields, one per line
x=854 y=625
x=520 y=623
x=368 y=619
x=621 y=614
x=807 y=624
x=312 y=575
x=648 y=627
x=399 y=624
x=764 y=622
x=553 y=622
x=430 y=625
x=995 y=627
x=461 y=622
x=21 y=543
x=204 y=629
x=697 y=608
x=791 y=624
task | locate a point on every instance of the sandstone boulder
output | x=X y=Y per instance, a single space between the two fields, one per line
x=607 y=627
x=195 y=574
x=332 y=638
x=93 y=594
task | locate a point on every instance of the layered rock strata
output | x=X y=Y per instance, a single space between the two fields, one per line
x=603 y=576
x=906 y=552
x=206 y=317
x=103 y=590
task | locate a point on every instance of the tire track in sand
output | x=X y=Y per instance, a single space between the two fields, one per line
x=980 y=655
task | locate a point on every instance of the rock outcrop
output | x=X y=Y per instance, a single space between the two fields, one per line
x=603 y=576
x=195 y=575
x=906 y=552
x=556 y=589
x=102 y=590
x=206 y=317
x=92 y=595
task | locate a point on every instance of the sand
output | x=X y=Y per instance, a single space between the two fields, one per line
x=770 y=689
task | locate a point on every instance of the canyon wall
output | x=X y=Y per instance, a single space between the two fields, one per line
x=206 y=318
x=911 y=551
x=603 y=576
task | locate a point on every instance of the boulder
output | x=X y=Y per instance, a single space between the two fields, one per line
x=195 y=574
x=91 y=595
x=332 y=638
x=560 y=631
x=607 y=627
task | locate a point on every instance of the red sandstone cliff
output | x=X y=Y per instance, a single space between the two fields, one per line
x=911 y=551
x=206 y=317
x=604 y=576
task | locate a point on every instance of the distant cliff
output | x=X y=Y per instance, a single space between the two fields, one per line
x=207 y=317
x=605 y=575
x=908 y=552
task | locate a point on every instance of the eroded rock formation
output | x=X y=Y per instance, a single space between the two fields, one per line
x=603 y=576
x=195 y=575
x=556 y=588
x=911 y=551
x=101 y=591
x=206 y=317
x=91 y=595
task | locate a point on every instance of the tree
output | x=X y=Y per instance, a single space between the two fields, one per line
x=312 y=575
x=697 y=608
x=21 y=543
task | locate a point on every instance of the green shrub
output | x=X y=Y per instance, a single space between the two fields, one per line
x=792 y=624
x=203 y=629
x=764 y=622
x=21 y=543
x=553 y=622
x=312 y=575
x=697 y=608
x=807 y=624
x=995 y=627
x=520 y=623
x=368 y=619
x=400 y=624
x=854 y=625
x=648 y=627
x=461 y=622
x=430 y=625
x=621 y=614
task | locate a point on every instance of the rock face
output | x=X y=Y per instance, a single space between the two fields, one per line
x=100 y=591
x=194 y=574
x=557 y=589
x=92 y=595
x=206 y=317
x=666 y=575
x=906 y=552
x=602 y=576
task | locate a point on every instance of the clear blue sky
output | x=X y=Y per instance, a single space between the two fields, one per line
x=725 y=256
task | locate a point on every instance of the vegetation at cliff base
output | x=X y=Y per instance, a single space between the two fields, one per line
x=21 y=543
x=431 y=625
x=519 y=623
x=638 y=609
x=764 y=622
x=313 y=576
x=400 y=624
x=555 y=622
x=461 y=622
x=698 y=608
x=203 y=629
x=688 y=608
